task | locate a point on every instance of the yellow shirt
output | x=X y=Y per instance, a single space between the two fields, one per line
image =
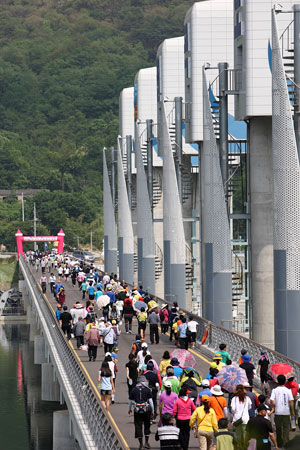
x=163 y=366
x=205 y=422
x=142 y=317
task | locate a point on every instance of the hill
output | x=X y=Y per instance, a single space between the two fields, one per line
x=62 y=66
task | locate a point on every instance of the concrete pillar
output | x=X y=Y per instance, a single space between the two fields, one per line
x=39 y=350
x=34 y=331
x=50 y=384
x=261 y=188
x=62 y=437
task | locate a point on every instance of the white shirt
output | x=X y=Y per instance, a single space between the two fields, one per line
x=240 y=410
x=281 y=397
x=141 y=357
x=192 y=326
x=112 y=368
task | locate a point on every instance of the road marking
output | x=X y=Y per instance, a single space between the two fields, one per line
x=98 y=394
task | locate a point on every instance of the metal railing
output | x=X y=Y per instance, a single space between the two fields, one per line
x=234 y=341
x=94 y=424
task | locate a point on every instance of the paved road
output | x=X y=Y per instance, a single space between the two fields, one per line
x=119 y=410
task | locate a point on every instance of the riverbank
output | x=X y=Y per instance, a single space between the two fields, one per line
x=9 y=272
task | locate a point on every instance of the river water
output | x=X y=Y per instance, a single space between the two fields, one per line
x=25 y=420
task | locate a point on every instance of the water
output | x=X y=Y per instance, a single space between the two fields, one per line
x=25 y=420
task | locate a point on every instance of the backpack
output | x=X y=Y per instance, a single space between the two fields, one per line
x=162 y=316
x=140 y=406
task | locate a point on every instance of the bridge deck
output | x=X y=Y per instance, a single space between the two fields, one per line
x=119 y=411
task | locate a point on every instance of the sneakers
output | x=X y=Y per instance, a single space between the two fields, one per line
x=147 y=445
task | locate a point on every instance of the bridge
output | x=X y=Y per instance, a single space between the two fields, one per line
x=68 y=377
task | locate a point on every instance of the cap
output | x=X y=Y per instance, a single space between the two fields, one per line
x=246 y=357
x=213 y=365
x=261 y=408
x=205 y=398
x=217 y=356
x=216 y=390
x=263 y=352
x=205 y=383
x=144 y=345
x=247 y=385
x=168 y=384
x=102 y=318
x=113 y=322
x=107 y=354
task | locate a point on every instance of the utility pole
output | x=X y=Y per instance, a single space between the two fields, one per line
x=149 y=125
x=78 y=242
x=23 y=213
x=34 y=226
x=91 y=241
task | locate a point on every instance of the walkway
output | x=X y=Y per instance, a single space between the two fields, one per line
x=119 y=411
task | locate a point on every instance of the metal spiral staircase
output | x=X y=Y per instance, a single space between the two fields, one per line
x=287 y=51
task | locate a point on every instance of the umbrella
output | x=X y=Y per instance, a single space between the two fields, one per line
x=139 y=305
x=185 y=358
x=281 y=369
x=152 y=304
x=230 y=376
x=102 y=301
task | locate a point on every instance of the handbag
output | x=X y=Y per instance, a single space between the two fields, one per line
x=239 y=422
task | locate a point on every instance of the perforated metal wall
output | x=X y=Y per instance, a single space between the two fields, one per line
x=110 y=229
x=173 y=221
x=124 y=214
x=286 y=170
x=215 y=218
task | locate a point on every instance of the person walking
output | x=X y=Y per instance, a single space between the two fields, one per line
x=142 y=323
x=260 y=429
x=182 y=334
x=92 y=340
x=167 y=399
x=109 y=337
x=262 y=368
x=153 y=380
x=106 y=384
x=192 y=331
x=218 y=402
x=240 y=405
x=79 y=330
x=175 y=384
x=43 y=283
x=248 y=368
x=204 y=420
x=128 y=313
x=153 y=320
x=66 y=322
x=167 y=434
x=282 y=401
x=183 y=408
x=141 y=398
x=165 y=362
x=131 y=372
x=52 y=281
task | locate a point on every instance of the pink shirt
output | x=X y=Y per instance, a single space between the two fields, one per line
x=183 y=408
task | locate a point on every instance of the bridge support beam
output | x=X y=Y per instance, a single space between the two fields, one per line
x=50 y=384
x=62 y=432
x=39 y=350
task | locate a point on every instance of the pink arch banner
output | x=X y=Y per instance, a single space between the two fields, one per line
x=59 y=238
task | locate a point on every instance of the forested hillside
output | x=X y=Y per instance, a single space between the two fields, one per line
x=63 y=64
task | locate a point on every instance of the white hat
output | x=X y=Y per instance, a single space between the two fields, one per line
x=107 y=354
x=247 y=385
x=216 y=390
x=205 y=383
x=144 y=345
x=102 y=318
x=168 y=384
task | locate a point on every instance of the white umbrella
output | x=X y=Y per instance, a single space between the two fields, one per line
x=102 y=301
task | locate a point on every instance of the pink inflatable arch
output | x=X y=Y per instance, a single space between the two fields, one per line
x=59 y=238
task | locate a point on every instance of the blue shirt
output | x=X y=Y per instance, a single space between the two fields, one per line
x=105 y=383
x=205 y=391
x=99 y=285
x=182 y=330
x=112 y=296
x=91 y=290
x=177 y=371
x=58 y=313
x=98 y=294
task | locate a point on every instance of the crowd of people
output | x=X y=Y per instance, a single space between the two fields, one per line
x=167 y=392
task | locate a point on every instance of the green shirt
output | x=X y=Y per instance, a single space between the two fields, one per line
x=225 y=356
x=83 y=286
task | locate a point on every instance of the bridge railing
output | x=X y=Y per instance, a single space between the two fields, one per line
x=97 y=427
x=234 y=341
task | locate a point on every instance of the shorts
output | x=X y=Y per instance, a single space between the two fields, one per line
x=193 y=337
x=142 y=325
x=105 y=392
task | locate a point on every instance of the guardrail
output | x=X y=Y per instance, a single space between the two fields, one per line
x=234 y=341
x=93 y=423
